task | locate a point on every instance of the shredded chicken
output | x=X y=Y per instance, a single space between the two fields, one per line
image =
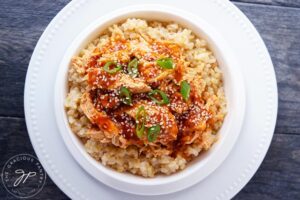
x=98 y=135
x=108 y=129
x=116 y=123
x=146 y=97
x=101 y=79
x=99 y=118
x=157 y=115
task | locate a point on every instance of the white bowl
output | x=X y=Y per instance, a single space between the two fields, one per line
x=200 y=167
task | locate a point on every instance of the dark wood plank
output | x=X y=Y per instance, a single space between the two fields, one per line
x=279 y=175
x=14 y=140
x=277 y=178
x=280 y=29
x=288 y=3
x=21 y=25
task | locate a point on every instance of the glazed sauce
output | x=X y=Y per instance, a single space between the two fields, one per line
x=179 y=71
x=101 y=78
x=149 y=71
x=166 y=49
x=104 y=123
x=127 y=125
x=184 y=115
x=106 y=99
x=92 y=62
x=177 y=104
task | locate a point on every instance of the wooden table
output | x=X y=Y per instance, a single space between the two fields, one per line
x=278 y=21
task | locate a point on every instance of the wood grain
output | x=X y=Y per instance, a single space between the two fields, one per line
x=277 y=178
x=14 y=140
x=278 y=26
x=285 y=3
x=22 y=23
x=280 y=29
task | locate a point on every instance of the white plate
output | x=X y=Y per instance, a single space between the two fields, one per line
x=203 y=165
x=250 y=147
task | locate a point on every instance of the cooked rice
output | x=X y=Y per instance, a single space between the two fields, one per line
x=204 y=71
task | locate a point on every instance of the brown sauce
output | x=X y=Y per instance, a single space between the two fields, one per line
x=106 y=99
x=101 y=78
x=187 y=114
x=127 y=125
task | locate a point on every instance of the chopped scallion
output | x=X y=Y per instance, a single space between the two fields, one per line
x=164 y=97
x=126 y=95
x=133 y=68
x=113 y=70
x=141 y=120
x=185 y=90
x=166 y=63
x=153 y=132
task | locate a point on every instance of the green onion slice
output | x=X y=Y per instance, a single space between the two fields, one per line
x=113 y=70
x=125 y=93
x=133 y=68
x=166 y=63
x=185 y=90
x=164 y=97
x=153 y=132
x=141 y=120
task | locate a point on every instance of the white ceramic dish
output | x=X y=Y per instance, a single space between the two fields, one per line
x=200 y=167
x=253 y=141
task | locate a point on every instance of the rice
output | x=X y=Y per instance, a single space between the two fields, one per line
x=204 y=72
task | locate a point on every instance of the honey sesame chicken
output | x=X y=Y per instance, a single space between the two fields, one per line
x=103 y=104
x=157 y=115
x=98 y=78
x=99 y=118
x=146 y=97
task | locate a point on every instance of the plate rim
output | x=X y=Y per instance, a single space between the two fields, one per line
x=29 y=113
x=190 y=179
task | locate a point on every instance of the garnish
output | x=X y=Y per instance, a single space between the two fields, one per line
x=153 y=132
x=185 y=90
x=133 y=68
x=166 y=63
x=113 y=70
x=141 y=120
x=125 y=93
x=164 y=97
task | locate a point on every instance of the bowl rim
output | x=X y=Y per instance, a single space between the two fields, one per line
x=124 y=182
